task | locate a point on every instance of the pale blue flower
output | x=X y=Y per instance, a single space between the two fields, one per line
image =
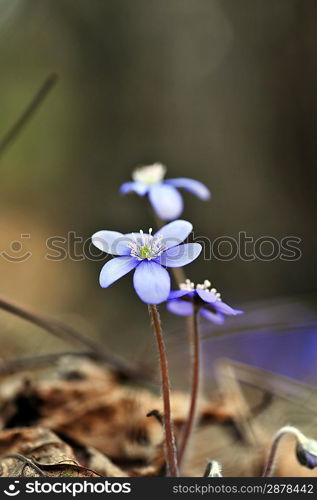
x=148 y=255
x=211 y=307
x=162 y=193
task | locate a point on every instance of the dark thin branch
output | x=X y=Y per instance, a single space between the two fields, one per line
x=67 y=333
x=29 y=111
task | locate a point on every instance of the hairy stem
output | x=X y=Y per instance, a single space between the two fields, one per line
x=189 y=425
x=271 y=460
x=171 y=455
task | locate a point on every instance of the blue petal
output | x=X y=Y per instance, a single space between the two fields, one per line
x=115 y=269
x=175 y=232
x=166 y=201
x=218 y=318
x=176 y=294
x=180 y=307
x=111 y=242
x=152 y=282
x=116 y=243
x=181 y=255
x=138 y=187
x=195 y=187
x=206 y=296
x=223 y=308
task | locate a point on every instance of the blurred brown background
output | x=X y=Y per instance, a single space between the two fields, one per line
x=222 y=91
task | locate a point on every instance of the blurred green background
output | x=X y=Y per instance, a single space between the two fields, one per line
x=223 y=91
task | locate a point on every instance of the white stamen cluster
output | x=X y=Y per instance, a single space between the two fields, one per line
x=146 y=246
x=149 y=174
x=190 y=286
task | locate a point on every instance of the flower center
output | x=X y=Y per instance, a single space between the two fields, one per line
x=190 y=286
x=146 y=246
x=149 y=174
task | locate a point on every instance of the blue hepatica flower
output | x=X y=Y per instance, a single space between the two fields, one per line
x=149 y=255
x=163 y=195
x=208 y=300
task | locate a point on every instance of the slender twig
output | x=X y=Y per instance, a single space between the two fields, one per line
x=272 y=457
x=29 y=111
x=171 y=455
x=195 y=382
x=67 y=333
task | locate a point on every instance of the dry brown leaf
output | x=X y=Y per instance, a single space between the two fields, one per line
x=36 y=451
x=84 y=403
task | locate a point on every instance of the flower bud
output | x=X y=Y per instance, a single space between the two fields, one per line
x=306 y=453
